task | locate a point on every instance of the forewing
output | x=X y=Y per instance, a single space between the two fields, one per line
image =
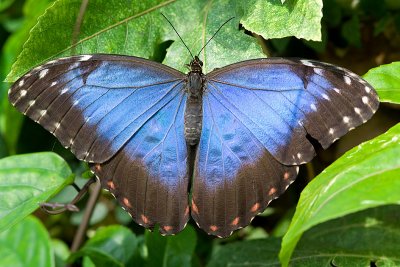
x=95 y=103
x=258 y=116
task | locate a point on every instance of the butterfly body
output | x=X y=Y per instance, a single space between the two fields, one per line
x=237 y=133
x=194 y=105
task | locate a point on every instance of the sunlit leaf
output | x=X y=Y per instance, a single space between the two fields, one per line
x=275 y=19
x=386 y=80
x=366 y=176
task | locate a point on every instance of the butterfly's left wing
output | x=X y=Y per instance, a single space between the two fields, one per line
x=124 y=115
x=257 y=119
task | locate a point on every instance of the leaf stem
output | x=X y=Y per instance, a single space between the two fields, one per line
x=79 y=236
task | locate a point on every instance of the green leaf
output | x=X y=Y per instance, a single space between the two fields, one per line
x=124 y=27
x=366 y=176
x=230 y=45
x=110 y=246
x=259 y=252
x=138 y=29
x=386 y=80
x=372 y=235
x=171 y=251
x=272 y=19
x=26 y=244
x=26 y=181
x=61 y=252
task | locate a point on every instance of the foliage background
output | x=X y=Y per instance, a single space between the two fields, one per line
x=347 y=216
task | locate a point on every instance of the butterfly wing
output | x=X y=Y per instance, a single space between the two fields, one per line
x=258 y=117
x=125 y=116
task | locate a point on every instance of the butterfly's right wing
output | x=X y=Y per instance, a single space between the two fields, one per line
x=125 y=116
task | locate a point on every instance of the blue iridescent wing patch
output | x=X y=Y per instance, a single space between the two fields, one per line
x=125 y=116
x=257 y=115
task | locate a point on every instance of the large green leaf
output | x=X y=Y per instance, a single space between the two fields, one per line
x=366 y=176
x=110 y=246
x=229 y=46
x=26 y=181
x=386 y=80
x=137 y=28
x=372 y=235
x=273 y=19
x=258 y=252
x=357 y=239
x=26 y=244
x=170 y=251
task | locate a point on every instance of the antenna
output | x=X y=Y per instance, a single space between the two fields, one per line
x=214 y=35
x=178 y=35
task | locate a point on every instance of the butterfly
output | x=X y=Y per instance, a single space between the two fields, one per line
x=218 y=147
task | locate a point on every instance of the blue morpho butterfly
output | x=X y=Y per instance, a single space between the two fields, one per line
x=230 y=140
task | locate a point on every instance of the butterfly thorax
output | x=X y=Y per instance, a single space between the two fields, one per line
x=193 y=111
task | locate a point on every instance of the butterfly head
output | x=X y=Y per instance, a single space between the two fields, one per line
x=196 y=65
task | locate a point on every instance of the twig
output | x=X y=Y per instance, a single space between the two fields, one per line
x=78 y=24
x=79 y=236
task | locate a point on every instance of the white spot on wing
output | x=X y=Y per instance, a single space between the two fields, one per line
x=331 y=131
x=85 y=57
x=325 y=96
x=56 y=126
x=365 y=99
x=313 y=107
x=357 y=110
x=31 y=103
x=21 y=82
x=298 y=155
x=42 y=113
x=23 y=93
x=75 y=65
x=64 y=90
x=53 y=83
x=307 y=63
x=319 y=71
x=43 y=73
x=347 y=80
x=367 y=89
x=336 y=90
x=346 y=119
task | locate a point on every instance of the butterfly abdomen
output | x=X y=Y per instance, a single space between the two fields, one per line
x=194 y=109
